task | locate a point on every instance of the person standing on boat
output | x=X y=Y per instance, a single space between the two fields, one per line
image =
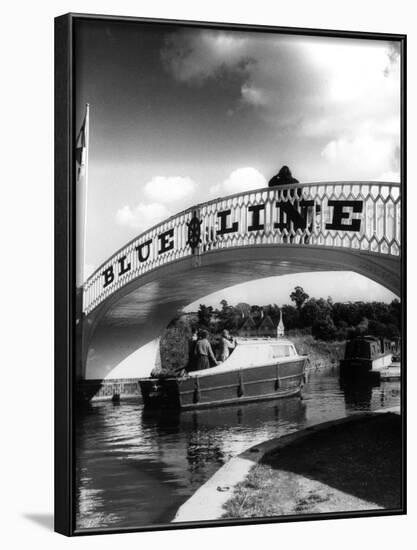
x=227 y=343
x=191 y=349
x=203 y=352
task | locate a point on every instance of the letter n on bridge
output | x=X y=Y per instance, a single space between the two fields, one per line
x=293 y=213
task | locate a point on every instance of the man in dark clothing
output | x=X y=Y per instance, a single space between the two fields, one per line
x=203 y=352
x=284 y=177
x=191 y=347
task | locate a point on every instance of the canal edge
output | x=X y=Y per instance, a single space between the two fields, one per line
x=207 y=503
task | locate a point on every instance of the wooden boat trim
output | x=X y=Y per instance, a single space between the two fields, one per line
x=246 y=383
x=285 y=393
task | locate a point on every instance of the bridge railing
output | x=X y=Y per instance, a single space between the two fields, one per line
x=355 y=215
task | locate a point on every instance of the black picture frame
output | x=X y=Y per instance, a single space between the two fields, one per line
x=65 y=288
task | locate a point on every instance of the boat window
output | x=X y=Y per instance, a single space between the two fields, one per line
x=364 y=349
x=247 y=356
x=281 y=351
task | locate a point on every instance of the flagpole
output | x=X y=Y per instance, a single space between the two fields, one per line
x=82 y=196
x=87 y=137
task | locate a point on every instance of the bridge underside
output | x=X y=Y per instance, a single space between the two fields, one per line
x=138 y=314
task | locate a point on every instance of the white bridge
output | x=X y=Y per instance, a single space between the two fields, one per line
x=335 y=226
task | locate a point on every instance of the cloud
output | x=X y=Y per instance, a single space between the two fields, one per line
x=337 y=94
x=169 y=189
x=253 y=96
x=292 y=77
x=166 y=195
x=142 y=216
x=194 y=56
x=389 y=177
x=362 y=157
x=242 y=179
x=264 y=64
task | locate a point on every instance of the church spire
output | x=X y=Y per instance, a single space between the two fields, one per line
x=280 y=327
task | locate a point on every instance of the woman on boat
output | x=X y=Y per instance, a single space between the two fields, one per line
x=227 y=343
x=203 y=352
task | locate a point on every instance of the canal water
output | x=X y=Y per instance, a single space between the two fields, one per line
x=135 y=469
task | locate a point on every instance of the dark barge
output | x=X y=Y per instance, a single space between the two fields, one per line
x=366 y=356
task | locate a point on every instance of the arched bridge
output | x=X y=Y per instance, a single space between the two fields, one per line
x=333 y=226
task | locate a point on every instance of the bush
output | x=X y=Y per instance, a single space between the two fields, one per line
x=383 y=330
x=324 y=330
x=341 y=333
x=174 y=349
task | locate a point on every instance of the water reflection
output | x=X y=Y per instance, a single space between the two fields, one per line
x=136 y=469
x=203 y=440
x=368 y=395
x=358 y=396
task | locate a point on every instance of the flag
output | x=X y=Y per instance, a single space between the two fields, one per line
x=81 y=148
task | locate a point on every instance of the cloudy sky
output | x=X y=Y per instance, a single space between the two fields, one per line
x=179 y=116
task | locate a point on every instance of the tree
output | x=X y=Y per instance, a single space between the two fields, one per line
x=204 y=315
x=395 y=310
x=349 y=312
x=224 y=304
x=298 y=296
x=290 y=317
x=324 y=329
x=315 y=310
x=243 y=308
x=363 y=326
x=255 y=310
x=229 y=317
x=376 y=328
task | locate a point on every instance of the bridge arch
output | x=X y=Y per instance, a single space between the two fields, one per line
x=346 y=226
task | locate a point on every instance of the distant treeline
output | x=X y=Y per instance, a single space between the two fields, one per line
x=324 y=319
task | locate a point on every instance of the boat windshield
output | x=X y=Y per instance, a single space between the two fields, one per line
x=282 y=350
x=257 y=354
x=248 y=356
x=252 y=355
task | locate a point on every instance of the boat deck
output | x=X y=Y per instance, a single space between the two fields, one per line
x=392 y=372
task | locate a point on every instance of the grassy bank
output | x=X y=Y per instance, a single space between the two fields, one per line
x=354 y=466
x=321 y=354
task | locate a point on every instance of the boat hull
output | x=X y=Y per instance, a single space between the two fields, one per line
x=356 y=367
x=224 y=388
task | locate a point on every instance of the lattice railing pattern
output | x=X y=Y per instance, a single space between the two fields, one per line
x=378 y=209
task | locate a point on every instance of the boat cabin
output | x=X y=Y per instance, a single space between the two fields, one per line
x=253 y=352
x=364 y=348
x=364 y=354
